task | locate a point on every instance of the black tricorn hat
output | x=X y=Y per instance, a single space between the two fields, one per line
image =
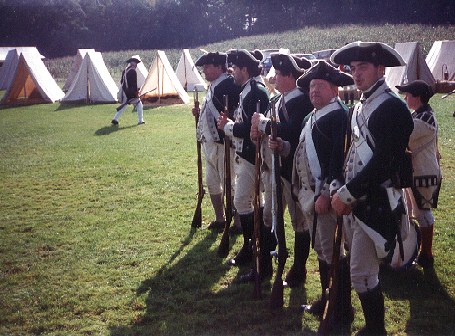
x=417 y=88
x=134 y=58
x=375 y=52
x=244 y=58
x=323 y=70
x=215 y=58
x=289 y=63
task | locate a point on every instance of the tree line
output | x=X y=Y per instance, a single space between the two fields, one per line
x=60 y=27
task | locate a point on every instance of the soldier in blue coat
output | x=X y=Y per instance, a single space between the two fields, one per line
x=247 y=70
x=371 y=197
x=292 y=106
x=214 y=67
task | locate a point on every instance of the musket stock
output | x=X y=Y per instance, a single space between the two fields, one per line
x=197 y=217
x=276 y=297
x=334 y=278
x=223 y=249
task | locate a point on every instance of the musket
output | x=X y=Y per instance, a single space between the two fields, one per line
x=448 y=94
x=197 y=217
x=257 y=216
x=223 y=249
x=134 y=100
x=276 y=297
x=334 y=273
x=334 y=278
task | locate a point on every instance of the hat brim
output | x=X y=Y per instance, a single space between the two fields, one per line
x=374 y=52
x=132 y=59
x=280 y=60
x=321 y=71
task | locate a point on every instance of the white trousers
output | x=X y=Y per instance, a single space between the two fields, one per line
x=244 y=186
x=139 y=109
x=364 y=260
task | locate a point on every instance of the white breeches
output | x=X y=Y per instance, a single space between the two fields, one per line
x=364 y=260
x=244 y=186
x=139 y=109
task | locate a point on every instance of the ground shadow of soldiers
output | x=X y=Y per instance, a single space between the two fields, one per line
x=199 y=290
x=428 y=300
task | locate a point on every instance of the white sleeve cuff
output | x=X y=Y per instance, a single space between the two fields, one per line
x=334 y=186
x=345 y=195
x=263 y=121
x=229 y=128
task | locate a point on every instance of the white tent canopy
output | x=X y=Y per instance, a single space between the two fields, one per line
x=162 y=85
x=4 y=51
x=93 y=82
x=32 y=83
x=11 y=61
x=77 y=60
x=187 y=72
x=415 y=68
x=441 y=59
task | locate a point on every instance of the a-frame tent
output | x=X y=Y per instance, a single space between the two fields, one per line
x=441 y=60
x=32 y=83
x=162 y=85
x=415 y=68
x=93 y=82
x=187 y=72
x=76 y=64
x=9 y=66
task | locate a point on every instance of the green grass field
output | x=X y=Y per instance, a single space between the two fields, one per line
x=95 y=235
x=95 y=221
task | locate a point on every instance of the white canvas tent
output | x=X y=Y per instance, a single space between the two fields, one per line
x=4 y=51
x=441 y=59
x=11 y=61
x=162 y=85
x=77 y=60
x=142 y=74
x=93 y=82
x=415 y=68
x=187 y=72
x=32 y=83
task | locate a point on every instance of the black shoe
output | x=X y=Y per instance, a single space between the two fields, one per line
x=244 y=257
x=425 y=261
x=114 y=122
x=216 y=225
x=316 y=308
x=235 y=230
x=141 y=122
x=251 y=277
x=295 y=277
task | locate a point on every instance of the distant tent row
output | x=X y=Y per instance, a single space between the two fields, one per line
x=92 y=83
x=415 y=68
x=441 y=60
x=31 y=83
x=27 y=81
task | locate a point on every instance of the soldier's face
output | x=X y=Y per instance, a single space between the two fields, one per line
x=322 y=92
x=365 y=74
x=240 y=75
x=211 y=72
x=283 y=83
x=413 y=102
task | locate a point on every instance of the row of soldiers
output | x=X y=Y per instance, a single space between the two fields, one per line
x=335 y=163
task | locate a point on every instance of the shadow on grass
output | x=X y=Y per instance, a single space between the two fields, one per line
x=195 y=293
x=106 y=130
x=432 y=310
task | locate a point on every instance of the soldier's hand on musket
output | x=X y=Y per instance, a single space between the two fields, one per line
x=322 y=205
x=339 y=206
x=222 y=121
x=254 y=131
x=277 y=144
